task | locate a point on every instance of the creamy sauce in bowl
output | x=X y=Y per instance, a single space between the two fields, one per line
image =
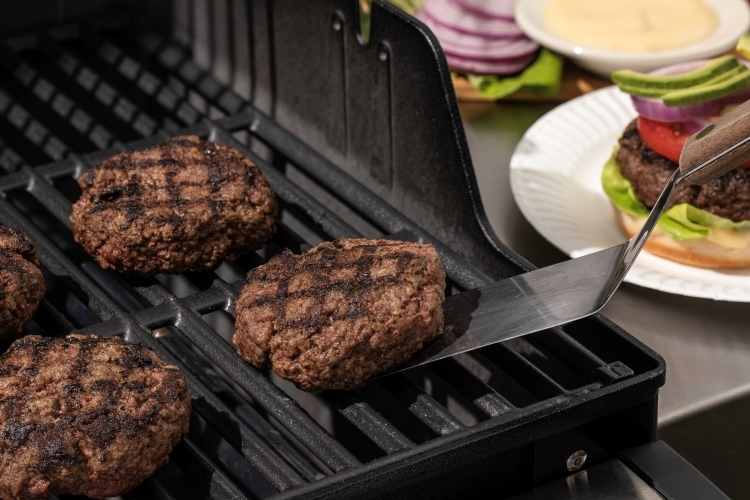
x=631 y=25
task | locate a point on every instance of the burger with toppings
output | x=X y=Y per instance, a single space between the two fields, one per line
x=708 y=225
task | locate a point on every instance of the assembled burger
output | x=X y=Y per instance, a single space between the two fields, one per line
x=708 y=225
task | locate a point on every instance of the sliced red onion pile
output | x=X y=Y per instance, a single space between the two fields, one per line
x=492 y=9
x=655 y=109
x=479 y=36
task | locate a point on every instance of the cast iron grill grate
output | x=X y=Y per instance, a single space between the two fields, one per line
x=68 y=101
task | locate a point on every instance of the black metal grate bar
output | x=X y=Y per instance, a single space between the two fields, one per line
x=194 y=462
x=10 y=161
x=52 y=320
x=221 y=417
x=423 y=406
x=22 y=131
x=583 y=359
x=89 y=75
x=472 y=388
x=39 y=93
x=387 y=437
x=150 y=488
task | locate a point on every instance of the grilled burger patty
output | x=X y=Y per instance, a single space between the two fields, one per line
x=85 y=415
x=186 y=204
x=648 y=172
x=21 y=282
x=344 y=311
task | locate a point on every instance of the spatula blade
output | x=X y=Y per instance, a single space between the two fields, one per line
x=523 y=304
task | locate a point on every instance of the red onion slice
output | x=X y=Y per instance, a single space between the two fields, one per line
x=478 y=48
x=693 y=126
x=655 y=109
x=492 y=9
x=487 y=68
x=448 y=15
x=487 y=59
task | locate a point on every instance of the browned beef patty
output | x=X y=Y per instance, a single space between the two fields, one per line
x=344 y=311
x=21 y=282
x=85 y=415
x=186 y=204
x=727 y=196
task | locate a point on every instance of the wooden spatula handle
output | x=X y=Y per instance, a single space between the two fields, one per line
x=730 y=130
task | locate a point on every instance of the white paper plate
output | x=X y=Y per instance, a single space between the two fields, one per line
x=555 y=178
x=733 y=17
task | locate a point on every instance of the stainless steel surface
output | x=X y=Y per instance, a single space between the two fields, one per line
x=609 y=480
x=576 y=461
x=541 y=299
x=704 y=408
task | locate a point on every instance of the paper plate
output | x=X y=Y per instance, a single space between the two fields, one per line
x=555 y=178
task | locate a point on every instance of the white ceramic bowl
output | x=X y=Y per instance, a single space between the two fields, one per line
x=734 y=20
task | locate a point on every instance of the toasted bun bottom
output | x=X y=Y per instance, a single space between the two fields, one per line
x=700 y=253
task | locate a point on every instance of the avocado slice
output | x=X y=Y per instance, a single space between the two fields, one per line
x=644 y=91
x=659 y=92
x=708 y=71
x=723 y=77
x=743 y=46
x=699 y=94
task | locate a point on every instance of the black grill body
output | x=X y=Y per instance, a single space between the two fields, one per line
x=355 y=138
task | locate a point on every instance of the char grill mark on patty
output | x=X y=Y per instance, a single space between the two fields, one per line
x=21 y=282
x=648 y=172
x=186 y=204
x=86 y=415
x=344 y=311
x=356 y=289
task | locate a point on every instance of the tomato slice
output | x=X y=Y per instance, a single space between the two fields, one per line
x=667 y=139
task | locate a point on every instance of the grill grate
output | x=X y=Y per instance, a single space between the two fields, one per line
x=69 y=100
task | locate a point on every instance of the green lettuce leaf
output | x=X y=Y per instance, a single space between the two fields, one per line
x=619 y=190
x=682 y=222
x=674 y=223
x=542 y=78
x=409 y=6
x=707 y=219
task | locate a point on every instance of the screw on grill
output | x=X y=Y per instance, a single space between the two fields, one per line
x=576 y=460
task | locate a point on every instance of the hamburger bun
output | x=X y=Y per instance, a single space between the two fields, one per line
x=700 y=253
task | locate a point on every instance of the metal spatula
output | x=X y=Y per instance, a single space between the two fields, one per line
x=565 y=292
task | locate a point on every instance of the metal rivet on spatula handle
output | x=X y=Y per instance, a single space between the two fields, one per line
x=704 y=132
